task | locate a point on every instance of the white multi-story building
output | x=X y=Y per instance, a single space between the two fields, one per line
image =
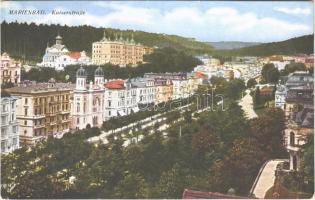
x=120 y=98
x=280 y=95
x=9 y=125
x=88 y=100
x=58 y=56
x=10 y=70
x=145 y=91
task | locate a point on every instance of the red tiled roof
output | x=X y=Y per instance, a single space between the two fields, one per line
x=74 y=54
x=200 y=75
x=115 y=84
x=191 y=194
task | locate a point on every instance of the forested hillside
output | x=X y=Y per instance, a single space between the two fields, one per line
x=28 y=41
x=303 y=44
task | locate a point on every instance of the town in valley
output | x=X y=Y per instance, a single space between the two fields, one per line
x=93 y=112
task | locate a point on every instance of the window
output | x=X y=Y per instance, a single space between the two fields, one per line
x=3 y=108
x=292 y=138
x=26 y=101
x=3 y=132
x=25 y=111
x=2 y=146
x=14 y=129
x=25 y=132
x=14 y=141
x=25 y=122
x=3 y=120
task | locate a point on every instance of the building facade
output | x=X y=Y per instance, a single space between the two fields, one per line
x=10 y=70
x=118 y=52
x=280 y=95
x=145 y=91
x=299 y=112
x=120 y=98
x=58 y=56
x=9 y=125
x=88 y=100
x=43 y=110
x=163 y=91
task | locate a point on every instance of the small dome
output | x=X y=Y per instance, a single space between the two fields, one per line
x=58 y=37
x=99 y=72
x=81 y=72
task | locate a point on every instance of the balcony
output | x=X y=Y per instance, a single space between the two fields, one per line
x=295 y=148
x=39 y=116
x=40 y=126
x=4 y=112
x=53 y=123
x=6 y=76
x=64 y=112
x=66 y=120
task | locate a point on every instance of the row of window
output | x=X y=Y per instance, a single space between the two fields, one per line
x=4 y=130
x=49 y=99
x=5 y=146
x=5 y=73
x=5 y=107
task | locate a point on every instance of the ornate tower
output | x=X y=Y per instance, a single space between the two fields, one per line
x=99 y=76
x=80 y=79
x=58 y=39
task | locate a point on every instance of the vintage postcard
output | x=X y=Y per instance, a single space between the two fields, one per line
x=157 y=99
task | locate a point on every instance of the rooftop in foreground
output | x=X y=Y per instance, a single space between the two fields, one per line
x=192 y=194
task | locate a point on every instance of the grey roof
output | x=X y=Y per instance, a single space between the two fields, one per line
x=299 y=78
x=99 y=72
x=81 y=72
x=140 y=82
x=29 y=88
x=304 y=117
x=301 y=94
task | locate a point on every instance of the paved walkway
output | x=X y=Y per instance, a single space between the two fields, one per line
x=265 y=178
x=247 y=105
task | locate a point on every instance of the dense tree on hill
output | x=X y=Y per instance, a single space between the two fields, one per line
x=28 y=41
x=303 y=44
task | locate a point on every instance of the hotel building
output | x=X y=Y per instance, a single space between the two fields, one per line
x=43 y=109
x=118 y=52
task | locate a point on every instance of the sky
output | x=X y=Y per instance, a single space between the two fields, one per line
x=203 y=20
